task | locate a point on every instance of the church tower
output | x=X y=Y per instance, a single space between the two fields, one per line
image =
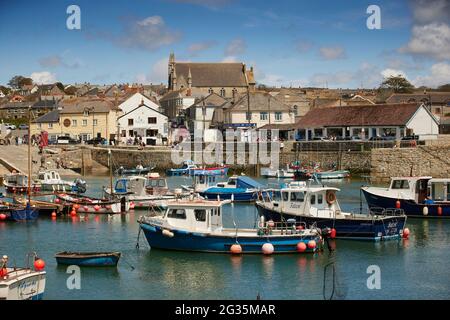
x=171 y=72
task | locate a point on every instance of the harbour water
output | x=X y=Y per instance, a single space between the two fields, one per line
x=416 y=268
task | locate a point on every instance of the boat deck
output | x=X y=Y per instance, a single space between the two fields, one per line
x=19 y=274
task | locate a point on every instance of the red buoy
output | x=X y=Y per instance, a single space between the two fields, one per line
x=53 y=214
x=57 y=200
x=131 y=205
x=405 y=233
x=397 y=204
x=300 y=227
x=439 y=211
x=96 y=207
x=73 y=213
x=311 y=244
x=2 y=216
x=236 y=249
x=333 y=233
x=86 y=208
x=39 y=264
x=301 y=247
x=267 y=248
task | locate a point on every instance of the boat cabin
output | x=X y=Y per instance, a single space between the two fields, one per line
x=413 y=188
x=195 y=215
x=49 y=176
x=16 y=179
x=131 y=184
x=298 y=197
x=155 y=184
x=439 y=190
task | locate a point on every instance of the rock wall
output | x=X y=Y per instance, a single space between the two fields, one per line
x=431 y=160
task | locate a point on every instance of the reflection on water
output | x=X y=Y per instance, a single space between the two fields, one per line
x=158 y=274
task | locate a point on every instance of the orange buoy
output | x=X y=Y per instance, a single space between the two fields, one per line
x=86 y=208
x=57 y=200
x=301 y=247
x=53 y=214
x=39 y=264
x=236 y=249
x=131 y=205
x=96 y=207
x=76 y=206
x=406 y=233
x=73 y=213
x=439 y=211
x=299 y=227
x=2 y=216
x=333 y=233
x=311 y=244
x=397 y=204
x=268 y=248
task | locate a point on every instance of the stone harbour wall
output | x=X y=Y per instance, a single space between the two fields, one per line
x=431 y=160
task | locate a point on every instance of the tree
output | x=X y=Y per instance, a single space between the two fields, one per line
x=398 y=84
x=445 y=87
x=5 y=90
x=17 y=82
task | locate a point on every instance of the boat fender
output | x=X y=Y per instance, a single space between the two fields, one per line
x=331 y=197
x=425 y=211
x=167 y=233
x=439 y=211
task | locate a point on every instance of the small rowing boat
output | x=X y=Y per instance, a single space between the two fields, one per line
x=88 y=259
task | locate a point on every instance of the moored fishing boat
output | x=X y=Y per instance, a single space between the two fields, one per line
x=22 y=283
x=18 y=212
x=139 y=170
x=44 y=207
x=16 y=182
x=187 y=165
x=50 y=180
x=84 y=204
x=196 y=225
x=315 y=204
x=416 y=196
x=88 y=259
x=236 y=189
x=216 y=171
x=332 y=174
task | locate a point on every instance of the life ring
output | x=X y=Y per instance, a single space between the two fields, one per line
x=330 y=197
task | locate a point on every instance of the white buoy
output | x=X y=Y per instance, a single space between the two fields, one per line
x=167 y=233
x=425 y=211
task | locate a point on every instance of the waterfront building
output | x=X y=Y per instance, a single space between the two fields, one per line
x=136 y=99
x=226 y=79
x=175 y=103
x=19 y=110
x=50 y=92
x=200 y=114
x=89 y=118
x=392 y=121
x=144 y=121
x=48 y=122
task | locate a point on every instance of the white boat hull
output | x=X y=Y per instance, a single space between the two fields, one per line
x=23 y=284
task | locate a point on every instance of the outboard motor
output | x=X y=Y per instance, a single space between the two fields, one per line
x=80 y=186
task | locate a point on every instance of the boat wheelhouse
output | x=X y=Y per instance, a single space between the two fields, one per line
x=417 y=196
x=196 y=225
x=315 y=204
x=16 y=182
x=50 y=180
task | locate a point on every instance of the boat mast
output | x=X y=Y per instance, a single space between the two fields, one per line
x=110 y=174
x=29 y=155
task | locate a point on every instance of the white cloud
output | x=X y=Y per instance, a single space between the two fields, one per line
x=386 y=73
x=332 y=53
x=235 y=47
x=431 y=40
x=429 y=11
x=149 y=34
x=439 y=75
x=43 y=77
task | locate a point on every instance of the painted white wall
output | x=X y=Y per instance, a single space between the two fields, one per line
x=135 y=100
x=423 y=123
x=140 y=123
x=240 y=117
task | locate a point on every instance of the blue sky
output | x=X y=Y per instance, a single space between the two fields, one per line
x=289 y=42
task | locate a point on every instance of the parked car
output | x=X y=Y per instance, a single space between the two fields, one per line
x=408 y=138
x=10 y=126
x=321 y=139
x=376 y=138
x=96 y=140
x=66 y=140
x=23 y=126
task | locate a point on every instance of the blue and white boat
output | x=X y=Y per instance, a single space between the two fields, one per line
x=315 y=204
x=184 y=170
x=196 y=225
x=18 y=212
x=236 y=189
x=332 y=174
x=417 y=196
x=215 y=171
x=88 y=259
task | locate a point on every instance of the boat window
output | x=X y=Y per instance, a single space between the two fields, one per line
x=41 y=177
x=177 y=214
x=162 y=183
x=320 y=199
x=200 y=215
x=121 y=185
x=276 y=195
x=313 y=199
x=297 y=196
x=232 y=182
x=53 y=175
x=400 y=184
x=438 y=191
x=211 y=179
x=285 y=196
x=201 y=179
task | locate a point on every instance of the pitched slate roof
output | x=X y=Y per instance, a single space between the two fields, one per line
x=78 y=105
x=213 y=74
x=436 y=97
x=364 y=115
x=212 y=100
x=259 y=101
x=52 y=116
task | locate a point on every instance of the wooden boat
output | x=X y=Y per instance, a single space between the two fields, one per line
x=315 y=204
x=18 y=212
x=88 y=259
x=21 y=283
x=196 y=225
x=45 y=207
x=84 y=204
x=420 y=197
x=332 y=174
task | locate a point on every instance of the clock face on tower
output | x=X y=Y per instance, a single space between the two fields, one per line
x=66 y=122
